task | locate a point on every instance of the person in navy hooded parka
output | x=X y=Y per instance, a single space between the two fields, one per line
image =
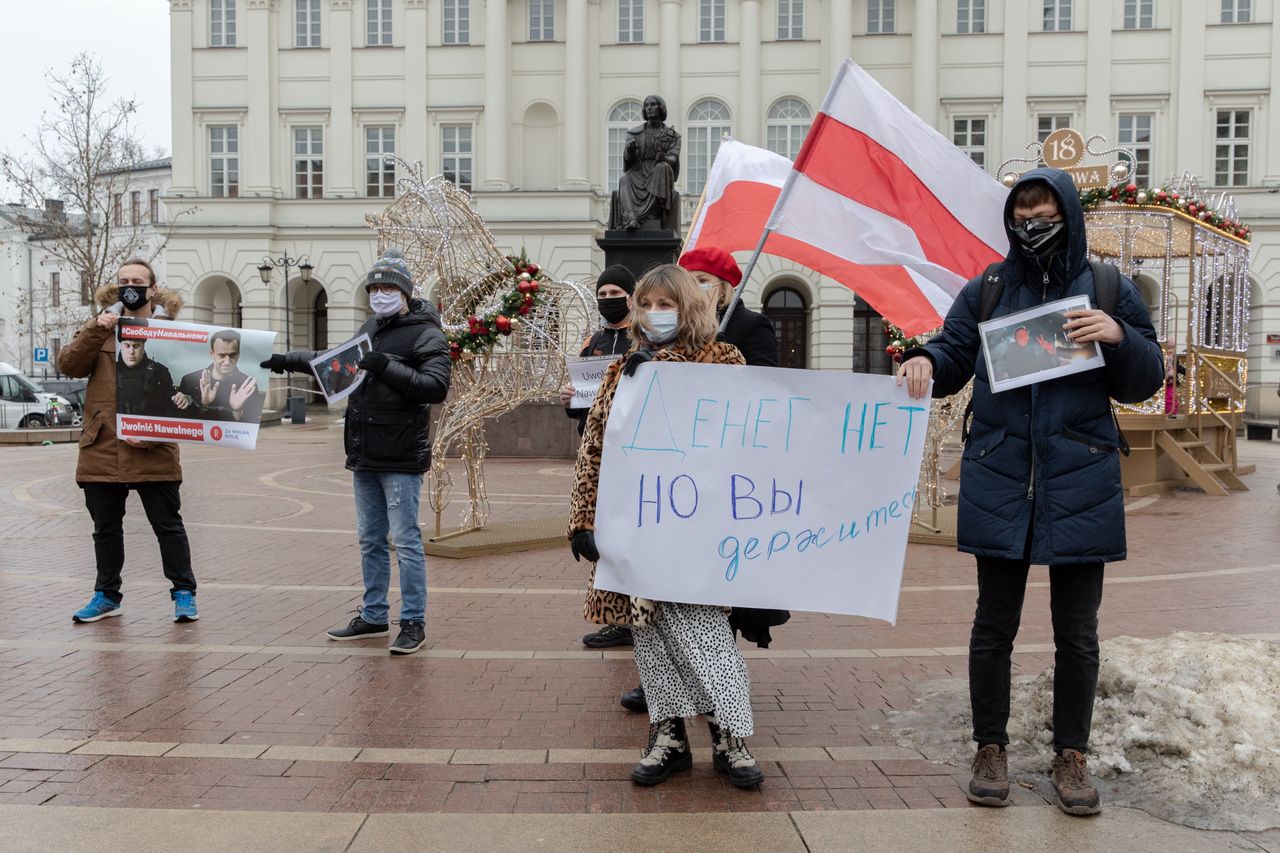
x=1040 y=476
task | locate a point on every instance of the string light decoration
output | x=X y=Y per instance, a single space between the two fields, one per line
x=509 y=325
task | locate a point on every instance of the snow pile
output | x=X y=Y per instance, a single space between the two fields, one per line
x=1186 y=727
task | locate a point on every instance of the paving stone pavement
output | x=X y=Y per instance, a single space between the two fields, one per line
x=252 y=709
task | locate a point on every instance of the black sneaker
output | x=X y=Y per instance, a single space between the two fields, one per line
x=633 y=700
x=358 y=629
x=609 y=635
x=413 y=636
x=668 y=752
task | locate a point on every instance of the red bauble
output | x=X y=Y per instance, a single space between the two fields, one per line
x=532 y=269
x=503 y=324
x=897 y=358
x=533 y=287
x=524 y=309
x=1131 y=188
x=889 y=350
x=1191 y=208
x=1162 y=195
x=524 y=286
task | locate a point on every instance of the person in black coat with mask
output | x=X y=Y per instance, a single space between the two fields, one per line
x=614 y=287
x=388 y=444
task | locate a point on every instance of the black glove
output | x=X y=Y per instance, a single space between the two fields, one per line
x=583 y=544
x=375 y=362
x=276 y=364
x=636 y=359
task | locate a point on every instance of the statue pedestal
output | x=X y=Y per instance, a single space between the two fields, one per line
x=640 y=250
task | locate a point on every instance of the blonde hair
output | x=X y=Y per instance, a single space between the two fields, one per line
x=695 y=327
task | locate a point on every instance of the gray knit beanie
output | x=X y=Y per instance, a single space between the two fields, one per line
x=391 y=268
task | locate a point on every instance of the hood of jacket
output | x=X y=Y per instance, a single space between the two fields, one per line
x=167 y=303
x=1064 y=190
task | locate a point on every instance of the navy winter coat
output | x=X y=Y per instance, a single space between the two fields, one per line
x=1042 y=460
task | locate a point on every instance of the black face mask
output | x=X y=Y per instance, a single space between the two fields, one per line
x=1040 y=238
x=133 y=297
x=613 y=309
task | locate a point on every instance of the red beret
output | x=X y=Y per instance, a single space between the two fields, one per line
x=714 y=260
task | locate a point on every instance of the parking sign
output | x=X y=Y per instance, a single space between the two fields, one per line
x=41 y=355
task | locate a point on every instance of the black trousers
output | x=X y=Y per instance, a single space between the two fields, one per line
x=162 y=503
x=1075 y=593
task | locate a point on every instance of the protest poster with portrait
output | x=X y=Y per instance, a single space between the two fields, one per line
x=1031 y=346
x=336 y=369
x=759 y=487
x=187 y=382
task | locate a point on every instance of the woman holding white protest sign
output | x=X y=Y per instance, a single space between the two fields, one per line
x=689 y=663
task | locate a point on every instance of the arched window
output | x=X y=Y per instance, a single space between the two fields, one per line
x=786 y=126
x=786 y=309
x=708 y=121
x=623 y=117
x=869 y=341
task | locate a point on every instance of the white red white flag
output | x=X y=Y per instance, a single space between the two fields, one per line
x=877 y=200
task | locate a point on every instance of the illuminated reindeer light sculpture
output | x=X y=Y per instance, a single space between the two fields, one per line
x=508 y=324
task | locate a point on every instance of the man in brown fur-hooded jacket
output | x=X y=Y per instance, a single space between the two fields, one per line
x=109 y=467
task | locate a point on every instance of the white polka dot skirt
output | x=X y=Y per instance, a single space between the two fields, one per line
x=689 y=665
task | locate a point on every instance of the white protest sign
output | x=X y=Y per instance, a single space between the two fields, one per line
x=585 y=375
x=759 y=487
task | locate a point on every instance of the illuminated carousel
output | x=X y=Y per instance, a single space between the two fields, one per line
x=1189 y=255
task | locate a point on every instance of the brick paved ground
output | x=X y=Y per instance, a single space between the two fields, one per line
x=250 y=708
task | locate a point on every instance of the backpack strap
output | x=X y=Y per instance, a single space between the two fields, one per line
x=1106 y=285
x=992 y=287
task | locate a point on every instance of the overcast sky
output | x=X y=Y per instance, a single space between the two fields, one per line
x=129 y=37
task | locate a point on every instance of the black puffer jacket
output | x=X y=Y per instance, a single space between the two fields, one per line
x=388 y=416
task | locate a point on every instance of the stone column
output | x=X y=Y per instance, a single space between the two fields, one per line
x=411 y=141
x=188 y=152
x=839 y=36
x=669 y=61
x=257 y=150
x=576 y=55
x=497 y=97
x=924 y=62
x=1097 y=106
x=1187 y=63
x=747 y=126
x=1273 y=112
x=1013 y=133
x=338 y=159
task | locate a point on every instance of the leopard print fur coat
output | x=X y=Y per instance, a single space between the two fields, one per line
x=603 y=607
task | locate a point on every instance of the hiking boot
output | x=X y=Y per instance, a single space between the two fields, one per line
x=633 y=700
x=99 y=607
x=1076 y=794
x=609 y=635
x=184 y=606
x=413 y=636
x=358 y=629
x=990 y=783
x=667 y=752
x=729 y=756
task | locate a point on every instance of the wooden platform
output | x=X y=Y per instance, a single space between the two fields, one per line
x=926 y=532
x=502 y=537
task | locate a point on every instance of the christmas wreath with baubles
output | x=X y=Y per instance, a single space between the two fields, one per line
x=1161 y=197
x=900 y=341
x=484 y=330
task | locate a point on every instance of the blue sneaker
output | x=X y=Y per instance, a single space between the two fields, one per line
x=99 y=607
x=184 y=606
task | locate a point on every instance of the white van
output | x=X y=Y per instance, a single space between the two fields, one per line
x=24 y=404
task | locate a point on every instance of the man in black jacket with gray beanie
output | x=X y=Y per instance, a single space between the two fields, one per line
x=388 y=446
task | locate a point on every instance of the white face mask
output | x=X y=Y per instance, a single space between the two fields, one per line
x=385 y=304
x=660 y=326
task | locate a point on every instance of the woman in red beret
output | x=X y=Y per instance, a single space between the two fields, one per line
x=750 y=331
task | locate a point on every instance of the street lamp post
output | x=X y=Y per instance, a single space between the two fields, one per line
x=295 y=406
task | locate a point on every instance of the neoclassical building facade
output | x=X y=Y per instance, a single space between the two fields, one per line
x=283 y=110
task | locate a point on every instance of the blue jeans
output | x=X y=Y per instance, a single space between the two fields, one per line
x=389 y=502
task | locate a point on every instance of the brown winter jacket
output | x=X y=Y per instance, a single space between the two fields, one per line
x=92 y=353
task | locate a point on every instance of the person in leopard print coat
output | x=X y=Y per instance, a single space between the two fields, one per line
x=688 y=660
